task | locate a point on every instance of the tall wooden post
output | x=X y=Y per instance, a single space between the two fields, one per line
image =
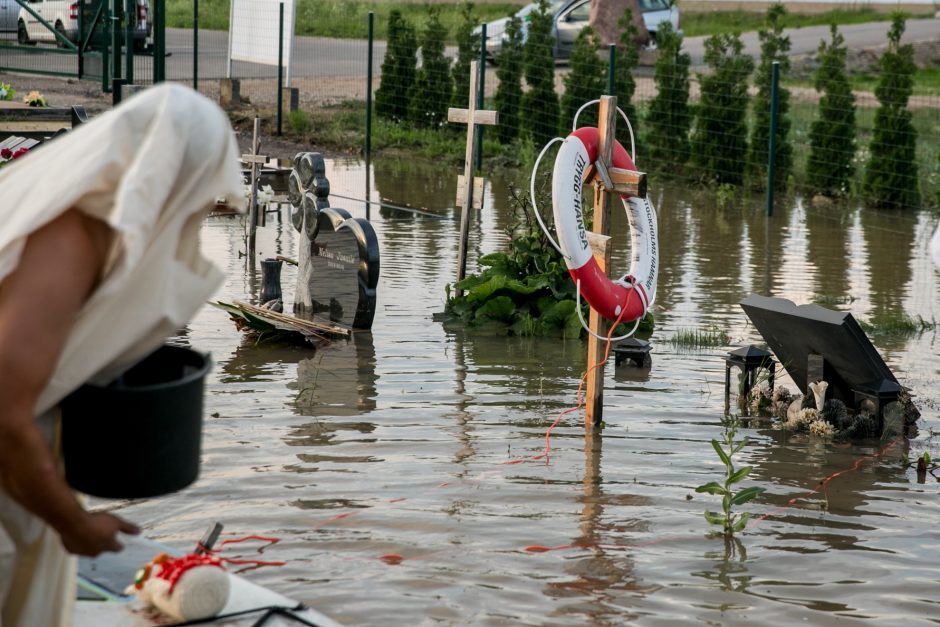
x=254 y=160
x=469 y=189
x=594 y=386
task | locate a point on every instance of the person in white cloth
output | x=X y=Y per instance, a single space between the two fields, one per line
x=99 y=262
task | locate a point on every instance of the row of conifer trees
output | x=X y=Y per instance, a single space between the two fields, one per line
x=713 y=140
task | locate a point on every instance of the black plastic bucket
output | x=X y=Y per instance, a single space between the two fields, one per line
x=141 y=435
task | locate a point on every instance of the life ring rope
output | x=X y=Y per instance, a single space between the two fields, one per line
x=574 y=126
x=636 y=324
x=603 y=294
x=535 y=209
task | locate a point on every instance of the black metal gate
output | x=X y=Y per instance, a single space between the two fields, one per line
x=99 y=40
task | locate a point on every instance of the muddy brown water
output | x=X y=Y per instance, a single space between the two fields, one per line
x=408 y=429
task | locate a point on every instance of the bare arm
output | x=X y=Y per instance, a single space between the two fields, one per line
x=38 y=303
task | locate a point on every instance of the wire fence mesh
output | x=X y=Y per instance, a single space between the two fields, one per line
x=870 y=135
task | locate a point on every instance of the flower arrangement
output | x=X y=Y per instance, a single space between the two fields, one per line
x=35 y=99
x=7 y=155
x=7 y=92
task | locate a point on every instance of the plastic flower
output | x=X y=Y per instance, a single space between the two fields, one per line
x=20 y=152
x=35 y=99
x=821 y=428
x=6 y=92
x=6 y=153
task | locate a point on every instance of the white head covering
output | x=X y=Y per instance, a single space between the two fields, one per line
x=149 y=168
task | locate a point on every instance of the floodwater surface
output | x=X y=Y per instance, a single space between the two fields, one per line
x=381 y=462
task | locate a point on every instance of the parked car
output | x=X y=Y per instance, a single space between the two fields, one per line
x=9 y=11
x=62 y=15
x=570 y=17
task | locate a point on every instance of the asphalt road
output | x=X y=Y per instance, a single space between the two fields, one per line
x=315 y=57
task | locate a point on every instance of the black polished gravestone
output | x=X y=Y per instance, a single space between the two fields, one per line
x=338 y=255
x=813 y=343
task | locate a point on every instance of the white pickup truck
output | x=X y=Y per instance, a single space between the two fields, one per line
x=62 y=15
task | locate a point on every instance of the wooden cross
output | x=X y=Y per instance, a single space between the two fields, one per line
x=255 y=160
x=467 y=184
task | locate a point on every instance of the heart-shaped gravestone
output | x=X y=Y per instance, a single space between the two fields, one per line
x=338 y=269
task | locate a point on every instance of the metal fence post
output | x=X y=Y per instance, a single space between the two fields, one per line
x=196 y=45
x=129 y=7
x=81 y=38
x=280 y=66
x=106 y=53
x=480 y=97
x=368 y=146
x=772 y=139
x=611 y=70
x=159 y=41
x=116 y=10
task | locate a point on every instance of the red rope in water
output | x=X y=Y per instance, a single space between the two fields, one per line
x=591 y=368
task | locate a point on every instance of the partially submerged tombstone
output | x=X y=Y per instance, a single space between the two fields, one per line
x=338 y=255
x=845 y=388
x=338 y=267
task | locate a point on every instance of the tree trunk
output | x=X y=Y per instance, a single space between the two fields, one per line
x=605 y=15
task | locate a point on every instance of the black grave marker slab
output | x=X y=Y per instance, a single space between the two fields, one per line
x=339 y=270
x=811 y=341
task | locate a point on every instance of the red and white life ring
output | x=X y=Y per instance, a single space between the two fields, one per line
x=633 y=293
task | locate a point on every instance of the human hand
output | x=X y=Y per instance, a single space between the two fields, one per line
x=94 y=533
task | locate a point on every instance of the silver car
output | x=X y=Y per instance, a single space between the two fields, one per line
x=9 y=10
x=570 y=17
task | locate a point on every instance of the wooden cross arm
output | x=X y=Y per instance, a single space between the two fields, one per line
x=483 y=116
x=617 y=180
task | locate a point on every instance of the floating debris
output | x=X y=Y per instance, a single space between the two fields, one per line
x=270 y=325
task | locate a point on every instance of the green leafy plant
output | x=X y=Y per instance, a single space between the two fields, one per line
x=729 y=521
x=725 y=195
x=524 y=291
x=7 y=92
x=299 y=121
x=924 y=460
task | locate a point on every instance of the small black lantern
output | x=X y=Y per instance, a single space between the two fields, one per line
x=637 y=351
x=750 y=360
x=878 y=392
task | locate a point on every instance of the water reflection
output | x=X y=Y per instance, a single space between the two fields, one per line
x=296 y=436
x=607 y=573
x=338 y=379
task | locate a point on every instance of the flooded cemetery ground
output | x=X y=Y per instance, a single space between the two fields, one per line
x=381 y=462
